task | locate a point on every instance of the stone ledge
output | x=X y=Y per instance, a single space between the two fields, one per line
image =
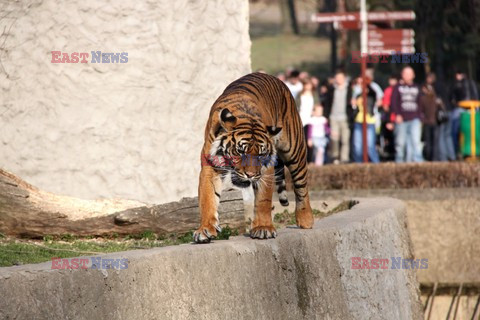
x=444 y=226
x=301 y=274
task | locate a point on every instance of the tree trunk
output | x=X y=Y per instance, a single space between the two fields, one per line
x=293 y=16
x=322 y=28
x=26 y=211
x=343 y=35
x=333 y=49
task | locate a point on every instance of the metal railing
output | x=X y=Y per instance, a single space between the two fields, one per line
x=455 y=291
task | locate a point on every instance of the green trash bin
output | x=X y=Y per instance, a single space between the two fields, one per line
x=466 y=134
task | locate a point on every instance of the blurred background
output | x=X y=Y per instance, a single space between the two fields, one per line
x=135 y=130
x=283 y=35
x=308 y=56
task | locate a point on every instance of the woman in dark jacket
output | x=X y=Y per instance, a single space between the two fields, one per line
x=438 y=140
x=429 y=103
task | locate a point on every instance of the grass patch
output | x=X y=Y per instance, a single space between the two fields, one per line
x=18 y=252
x=146 y=235
x=226 y=233
x=274 y=53
x=284 y=218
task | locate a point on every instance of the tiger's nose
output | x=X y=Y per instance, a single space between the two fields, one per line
x=249 y=174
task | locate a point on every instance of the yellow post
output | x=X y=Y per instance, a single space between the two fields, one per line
x=471 y=104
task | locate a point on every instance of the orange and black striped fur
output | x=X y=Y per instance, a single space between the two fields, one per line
x=255 y=117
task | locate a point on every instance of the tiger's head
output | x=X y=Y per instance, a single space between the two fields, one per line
x=246 y=146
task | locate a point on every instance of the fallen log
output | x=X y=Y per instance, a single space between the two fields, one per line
x=28 y=212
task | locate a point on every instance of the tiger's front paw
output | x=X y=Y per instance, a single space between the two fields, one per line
x=263 y=232
x=206 y=233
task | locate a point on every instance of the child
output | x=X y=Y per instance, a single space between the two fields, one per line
x=317 y=134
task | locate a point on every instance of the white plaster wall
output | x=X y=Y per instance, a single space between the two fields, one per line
x=132 y=130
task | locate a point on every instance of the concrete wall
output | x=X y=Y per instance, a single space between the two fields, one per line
x=444 y=225
x=131 y=130
x=303 y=274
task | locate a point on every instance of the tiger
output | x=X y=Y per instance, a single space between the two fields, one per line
x=254 y=118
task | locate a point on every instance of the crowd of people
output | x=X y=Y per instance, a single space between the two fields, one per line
x=406 y=122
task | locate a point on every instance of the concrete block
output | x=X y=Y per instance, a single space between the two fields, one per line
x=302 y=274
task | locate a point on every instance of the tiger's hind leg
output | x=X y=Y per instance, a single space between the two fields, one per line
x=298 y=170
x=280 y=182
x=262 y=226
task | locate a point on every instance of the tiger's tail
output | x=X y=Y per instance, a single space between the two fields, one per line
x=280 y=183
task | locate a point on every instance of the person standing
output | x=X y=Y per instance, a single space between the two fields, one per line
x=294 y=84
x=306 y=109
x=429 y=104
x=317 y=135
x=337 y=113
x=358 y=126
x=387 y=140
x=325 y=94
x=357 y=89
x=445 y=148
x=306 y=102
x=406 y=115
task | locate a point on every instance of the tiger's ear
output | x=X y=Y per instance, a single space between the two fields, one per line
x=227 y=119
x=273 y=130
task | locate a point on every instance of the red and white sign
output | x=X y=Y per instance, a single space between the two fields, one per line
x=391 y=42
x=335 y=17
x=347 y=25
x=380 y=41
x=381 y=34
x=388 y=40
x=390 y=15
x=388 y=50
x=371 y=16
x=352 y=25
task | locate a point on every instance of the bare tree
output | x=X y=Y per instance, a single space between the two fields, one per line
x=289 y=16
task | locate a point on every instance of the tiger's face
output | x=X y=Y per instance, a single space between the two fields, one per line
x=244 y=148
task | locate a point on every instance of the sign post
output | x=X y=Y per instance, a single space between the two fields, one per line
x=382 y=42
x=364 y=53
